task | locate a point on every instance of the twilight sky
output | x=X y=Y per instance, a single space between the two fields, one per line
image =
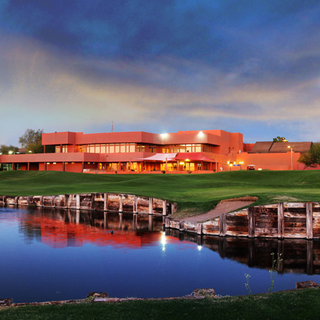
x=244 y=66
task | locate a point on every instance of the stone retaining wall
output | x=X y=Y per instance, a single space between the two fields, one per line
x=95 y=201
x=282 y=220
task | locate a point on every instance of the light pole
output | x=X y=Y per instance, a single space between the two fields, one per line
x=290 y=147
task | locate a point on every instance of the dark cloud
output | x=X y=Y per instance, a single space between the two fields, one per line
x=193 y=29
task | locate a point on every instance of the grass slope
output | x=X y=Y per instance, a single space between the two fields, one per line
x=298 y=304
x=193 y=192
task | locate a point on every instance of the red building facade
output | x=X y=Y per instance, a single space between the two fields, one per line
x=144 y=152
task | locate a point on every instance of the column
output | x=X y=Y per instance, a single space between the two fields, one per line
x=309 y=220
x=280 y=220
x=164 y=207
x=28 y=166
x=105 y=202
x=222 y=225
x=251 y=228
x=120 y=203
x=150 y=206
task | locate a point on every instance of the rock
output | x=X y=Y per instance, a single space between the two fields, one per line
x=5 y=302
x=306 y=284
x=98 y=295
x=204 y=292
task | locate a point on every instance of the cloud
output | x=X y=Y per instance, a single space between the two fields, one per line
x=78 y=65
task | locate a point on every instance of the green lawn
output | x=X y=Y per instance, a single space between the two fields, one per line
x=194 y=193
x=298 y=304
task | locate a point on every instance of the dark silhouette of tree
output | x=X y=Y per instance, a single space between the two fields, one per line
x=32 y=141
x=311 y=158
x=279 y=139
x=5 y=149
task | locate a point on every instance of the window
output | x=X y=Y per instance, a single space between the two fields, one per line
x=117 y=148
x=132 y=147
x=103 y=148
x=123 y=148
x=111 y=148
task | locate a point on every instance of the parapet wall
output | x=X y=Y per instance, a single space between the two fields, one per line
x=95 y=201
x=282 y=220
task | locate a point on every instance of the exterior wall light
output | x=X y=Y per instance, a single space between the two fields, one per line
x=200 y=134
x=10 y=152
x=181 y=162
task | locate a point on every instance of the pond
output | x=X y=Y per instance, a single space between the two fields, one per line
x=49 y=254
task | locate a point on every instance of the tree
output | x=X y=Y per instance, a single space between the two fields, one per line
x=32 y=141
x=6 y=149
x=311 y=158
x=279 y=139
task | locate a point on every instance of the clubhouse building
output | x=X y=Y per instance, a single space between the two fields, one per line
x=143 y=152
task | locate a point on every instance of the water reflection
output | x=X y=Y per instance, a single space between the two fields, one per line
x=61 y=228
x=51 y=254
x=299 y=255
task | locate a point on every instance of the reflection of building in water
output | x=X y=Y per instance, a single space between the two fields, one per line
x=299 y=255
x=71 y=228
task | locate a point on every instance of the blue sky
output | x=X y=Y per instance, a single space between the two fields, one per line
x=160 y=66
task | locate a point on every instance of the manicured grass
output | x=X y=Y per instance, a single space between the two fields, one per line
x=194 y=193
x=298 y=304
